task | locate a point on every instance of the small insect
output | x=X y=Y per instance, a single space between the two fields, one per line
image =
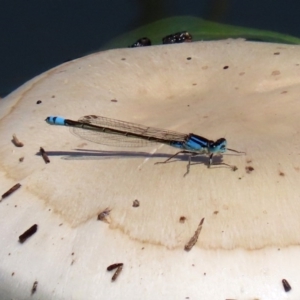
x=179 y=37
x=10 y=191
x=143 y=42
x=194 y=238
x=39 y=102
x=28 y=233
x=16 y=141
x=44 y=155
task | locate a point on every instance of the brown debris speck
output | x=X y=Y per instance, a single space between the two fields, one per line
x=249 y=169
x=44 y=155
x=182 y=219
x=16 y=141
x=10 y=191
x=194 y=238
x=136 y=203
x=118 y=271
x=34 y=287
x=275 y=73
x=286 y=285
x=114 y=266
x=28 y=233
x=118 y=266
x=104 y=215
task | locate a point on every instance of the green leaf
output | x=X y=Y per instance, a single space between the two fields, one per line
x=199 y=29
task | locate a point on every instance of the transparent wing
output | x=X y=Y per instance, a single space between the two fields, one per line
x=122 y=137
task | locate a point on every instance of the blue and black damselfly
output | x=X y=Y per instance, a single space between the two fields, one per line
x=119 y=133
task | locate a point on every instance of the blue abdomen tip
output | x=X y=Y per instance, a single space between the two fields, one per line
x=54 y=120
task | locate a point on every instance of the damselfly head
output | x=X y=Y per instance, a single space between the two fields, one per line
x=218 y=146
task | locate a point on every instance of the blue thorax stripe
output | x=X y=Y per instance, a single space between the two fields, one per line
x=197 y=142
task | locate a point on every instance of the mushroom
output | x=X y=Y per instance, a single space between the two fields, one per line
x=246 y=92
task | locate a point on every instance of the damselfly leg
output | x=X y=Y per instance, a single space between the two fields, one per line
x=233 y=168
x=210 y=162
x=183 y=151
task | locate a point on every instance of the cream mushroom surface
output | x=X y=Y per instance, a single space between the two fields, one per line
x=246 y=92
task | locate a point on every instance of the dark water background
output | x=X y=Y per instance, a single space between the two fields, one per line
x=36 y=35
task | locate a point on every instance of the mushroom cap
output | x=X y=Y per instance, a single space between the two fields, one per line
x=246 y=92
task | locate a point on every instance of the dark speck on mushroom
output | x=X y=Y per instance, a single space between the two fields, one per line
x=249 y=169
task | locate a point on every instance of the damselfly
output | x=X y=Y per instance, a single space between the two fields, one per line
x=119 y=133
